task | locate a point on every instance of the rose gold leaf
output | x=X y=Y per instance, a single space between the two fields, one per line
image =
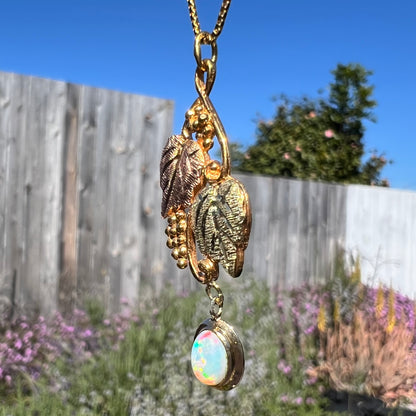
x=180 y=171
x=221 y=219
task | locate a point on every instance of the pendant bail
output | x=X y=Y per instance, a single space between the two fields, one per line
x=207 y=65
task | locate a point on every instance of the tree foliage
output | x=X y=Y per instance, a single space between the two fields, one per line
x=320 y=139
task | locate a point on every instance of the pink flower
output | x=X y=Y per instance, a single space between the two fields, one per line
x=329 y=133
x=18 y=343
x=286 y=156
x=298 y=401
x=311 y=114
x=310 y=400
x=124 y=301
x=287 y=369
x=311 y=381
x=298 y=148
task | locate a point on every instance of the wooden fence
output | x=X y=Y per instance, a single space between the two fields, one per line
x=78 y=192
x=80 y=206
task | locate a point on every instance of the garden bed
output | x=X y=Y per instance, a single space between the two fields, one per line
x=297 y=345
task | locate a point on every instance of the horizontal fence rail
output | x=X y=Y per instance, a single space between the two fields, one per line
x=80 y=207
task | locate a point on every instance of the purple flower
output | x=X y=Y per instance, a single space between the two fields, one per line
x=68 y=328
x=27 y=336
x=28 y=352
x=309 y=330
x=87 y=333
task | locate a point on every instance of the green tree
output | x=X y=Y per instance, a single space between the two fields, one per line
x=320 y=139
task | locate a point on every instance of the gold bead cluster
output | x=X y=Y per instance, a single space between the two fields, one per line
x=199 y=121
x=176 y=232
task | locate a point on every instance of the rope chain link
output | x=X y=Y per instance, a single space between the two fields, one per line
x=222 y=15
x=217 y=301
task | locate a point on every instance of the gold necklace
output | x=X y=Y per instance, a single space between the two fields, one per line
x=209 y=209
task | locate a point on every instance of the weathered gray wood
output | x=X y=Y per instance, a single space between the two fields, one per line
x=298 y=226
x=31 y=189
x=73 y=193
x=381 y=229
x=8 y=182
x=80 y=207
x=69 y=249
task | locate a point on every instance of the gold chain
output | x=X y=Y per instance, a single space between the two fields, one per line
x=220 y=20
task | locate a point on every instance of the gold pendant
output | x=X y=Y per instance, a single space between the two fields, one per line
x=209 y=209
x=202 y=201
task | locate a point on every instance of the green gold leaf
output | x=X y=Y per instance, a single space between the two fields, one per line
x=221 y=219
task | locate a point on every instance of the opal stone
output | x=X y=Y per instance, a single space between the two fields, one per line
x=209 y=358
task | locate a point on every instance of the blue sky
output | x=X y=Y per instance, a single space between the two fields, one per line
x=268 y=47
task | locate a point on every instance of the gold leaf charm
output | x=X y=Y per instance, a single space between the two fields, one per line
x=180 y=172
x=221 y=219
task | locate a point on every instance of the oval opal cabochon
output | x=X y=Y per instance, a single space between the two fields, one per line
x=209 y=358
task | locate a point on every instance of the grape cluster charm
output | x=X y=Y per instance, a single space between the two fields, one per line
x=206 y=209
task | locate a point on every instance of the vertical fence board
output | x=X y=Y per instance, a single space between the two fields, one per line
x=133 y=236
x=8 y=194
x=89 y=205
x=51 y=196
x=17 y=239
x=157 y=268
x=69 y=259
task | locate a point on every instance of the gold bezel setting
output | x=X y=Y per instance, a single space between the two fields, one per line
x=233 y=349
